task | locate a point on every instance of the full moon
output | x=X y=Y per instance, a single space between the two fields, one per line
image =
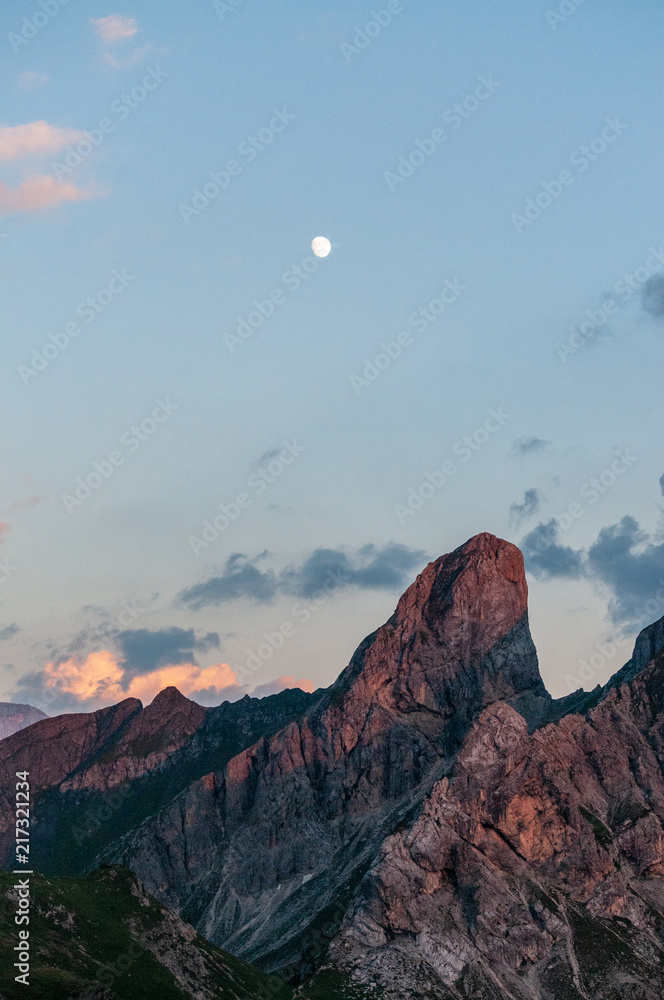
x=321 y=246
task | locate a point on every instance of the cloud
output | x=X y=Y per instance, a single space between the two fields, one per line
x=370 y=568
x=652 y=296
x=143 y=650
x=282 y=684
x=4 y=528
x=627 y=560
x=528 y=446
x=136 y=57
x=241 y=578
x=34 y=139
x=100 y=679
x=114 y=28
x=41 y=191
x=29 y=80
x=8 y=632
x=520 y=512
x=545 y=558
x=28 y=502
x=661 y=484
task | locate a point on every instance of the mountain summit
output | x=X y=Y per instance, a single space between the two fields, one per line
x=433 y=825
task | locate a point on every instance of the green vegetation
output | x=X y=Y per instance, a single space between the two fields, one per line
x=91 y=933
x=603 y=835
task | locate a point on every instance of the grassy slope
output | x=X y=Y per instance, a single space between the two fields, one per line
x=79 y=929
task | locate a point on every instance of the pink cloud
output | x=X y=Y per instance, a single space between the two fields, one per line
x=99 y=680
x=40 y=191
x=282 y=684
x=4 y=528
x=114 y=28
x=34 y=138
x=28 y=502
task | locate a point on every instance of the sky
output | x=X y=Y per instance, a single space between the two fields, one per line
x=223 y=457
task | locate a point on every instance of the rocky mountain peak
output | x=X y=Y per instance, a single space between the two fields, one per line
x=458 y=640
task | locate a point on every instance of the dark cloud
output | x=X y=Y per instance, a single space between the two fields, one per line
x=8 y=631
x=370 y=568
x=143 y=650
x=631 y=564
x=520 y=512
x=652 y=296
x=241 y=578
x=546 y=558
x=528 y=446
x=661 y=484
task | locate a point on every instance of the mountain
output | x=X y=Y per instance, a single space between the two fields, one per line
x=432 y=826
x=95 y=775
x=103 y=937
x=16 y=717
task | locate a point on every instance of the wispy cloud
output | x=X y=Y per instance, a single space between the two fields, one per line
x=34 y=138
x=133 y=59
x=529 y=446
x=370 y=568
x=8 y=632
x=28 y=502
x=114 y=28
x=520 y=512
x=652 y=296
x=29 y=80
x=4 y=528
x=41 y=191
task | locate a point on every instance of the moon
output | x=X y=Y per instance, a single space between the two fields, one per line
x=321 y=246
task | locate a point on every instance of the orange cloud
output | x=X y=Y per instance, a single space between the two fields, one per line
x=99 y=678
x=35 y=138
x=40 y=191
x=114 y=28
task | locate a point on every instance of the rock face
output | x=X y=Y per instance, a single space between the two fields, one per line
x=95 y=775
x=256 y=854
x=433 y=826
x=16 y=717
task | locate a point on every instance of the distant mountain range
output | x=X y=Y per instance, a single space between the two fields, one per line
x=16 y=717
x=434 y=825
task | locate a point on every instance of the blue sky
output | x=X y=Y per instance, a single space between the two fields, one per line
x=318 y=105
